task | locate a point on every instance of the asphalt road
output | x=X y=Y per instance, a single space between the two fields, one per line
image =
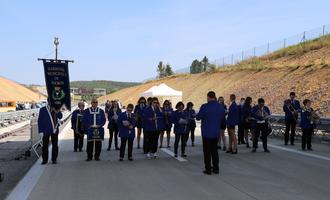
x=285 y=173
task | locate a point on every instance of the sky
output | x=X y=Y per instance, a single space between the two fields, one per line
x=124 y=40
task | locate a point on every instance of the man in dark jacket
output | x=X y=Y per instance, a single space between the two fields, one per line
x=78 y=127
x=291 y=110
x=211 y=114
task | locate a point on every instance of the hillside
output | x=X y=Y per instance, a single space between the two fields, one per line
x=110 y=86
x=11 y=90
x=303 y=68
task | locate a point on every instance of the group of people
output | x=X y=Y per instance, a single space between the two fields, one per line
x=154 y=121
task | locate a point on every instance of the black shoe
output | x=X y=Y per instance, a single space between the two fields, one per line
x=54 y=162
x=292 y=144
x=309 y=149
x=247 y=145
x=75 y=150
x=303 y=149
x=215 y=171
x=266 y=151
x=229 y=151
x=183 y=155
x=234 y=152
x=121 y=159
x=219 y=147
x=138 y=146
x=254 y=150
x=176 y=155
x=160 y=147
x=286 y=143
x=88 y=159
x=80 y=150
x=97 y=159
x=130 y=159
x=117 y=149
x=192 y=144
x=108 y=149
x=207 y=172
x=44 y=162
x=168 y=146
x=243 y=143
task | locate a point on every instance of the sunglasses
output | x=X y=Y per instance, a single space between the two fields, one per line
x=94 y=101
x=155 y=102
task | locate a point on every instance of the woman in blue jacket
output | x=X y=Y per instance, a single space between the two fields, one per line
x=167 y=110
x=307 y=125
x=192 y=122
x=127 y=123
x=113 y=114
x=223 y=125
x=153 y=124
x=181 y=128
x=138 y=111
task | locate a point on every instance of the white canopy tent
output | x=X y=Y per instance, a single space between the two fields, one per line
x=164 y=92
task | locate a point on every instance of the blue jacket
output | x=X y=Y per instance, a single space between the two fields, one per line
x=149 y=122
x=74 y=117
x=233 y=115
x=256 y=115
x=168 y=112
x=305 y=121
x=125 y=131
x=211 y=114
x=180 y=128
x=138 y=112
x=88 y=120
x=45 y=122
x=112 y=123
x=192 y=116
x=288 y=113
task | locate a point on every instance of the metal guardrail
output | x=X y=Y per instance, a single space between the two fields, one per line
x=7 y=118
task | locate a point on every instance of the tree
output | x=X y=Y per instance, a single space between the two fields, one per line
x=196 y=67
x=168 y=70
x=205 y=63
x=161 y=70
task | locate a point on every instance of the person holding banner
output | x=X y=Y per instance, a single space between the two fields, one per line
x=94 y=120
x=127 y=123
x=48 y=125
x=77 y=126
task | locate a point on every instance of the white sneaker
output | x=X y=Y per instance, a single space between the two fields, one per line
x=148 y=156
x=155 y=155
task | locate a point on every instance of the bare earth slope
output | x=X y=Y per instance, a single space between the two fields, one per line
x=308 y=74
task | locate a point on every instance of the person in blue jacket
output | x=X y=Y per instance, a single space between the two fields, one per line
x=167 y=110
x=48 y=126
x=211 y=114
x=307 y=125
x=223 y=126
x=192 y=122
x=127 y=123
x=240 y=129
x=153 y=124
x=232 y=122
x=261 y=114
x=138 y=111
x=291 y=109
x=78 y=127
x=246 y=116
x=181 y=128
x=113 y=114
x=94 y=120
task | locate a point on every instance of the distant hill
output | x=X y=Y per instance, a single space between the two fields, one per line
x=303 y=68
x=110 y=86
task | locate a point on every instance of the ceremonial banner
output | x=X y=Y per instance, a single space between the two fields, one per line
x=58 y=84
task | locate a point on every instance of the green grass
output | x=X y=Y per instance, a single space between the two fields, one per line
x=110 y=86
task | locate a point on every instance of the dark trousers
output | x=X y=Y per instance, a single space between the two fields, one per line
x=78 y=142
x=123 y=147
x=290 y=125
x=151 y=141
x=240 y=134
x=144 y=142
x=306 y=138
x=184 y=138
x=210 y=151
x=192 y=134
x=45 y=144
x=113 y=132
x=90 y=149
x=260 y=129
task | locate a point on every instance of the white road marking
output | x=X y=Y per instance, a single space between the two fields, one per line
x=179 y=158
x=300 y=152
x=26 y=185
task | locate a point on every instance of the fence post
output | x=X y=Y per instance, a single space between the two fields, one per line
x=268 y=47
x=254 y=52
x=284 y=43
x=232 y=59
x=304 y=36
x=223 y=61
x=323 y=30
x=242 y=55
